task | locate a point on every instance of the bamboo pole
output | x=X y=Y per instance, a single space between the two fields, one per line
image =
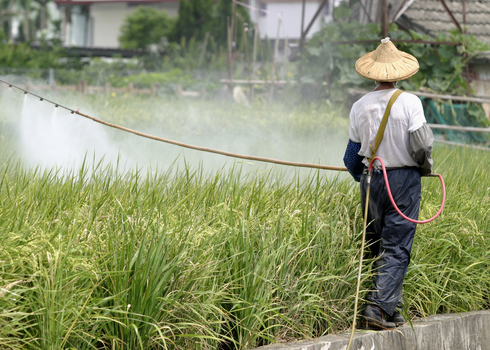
x=274 y=62
x=228 y=31
x=286 y=58
x=383 y=17
x=431 y=95
x=315 y=16
x=233 y=14
x=347 y=42
x=467 y=68
x=254 y=61
x=459 y=128
x=453 y=19
x=451 y=143
x=247 y=58
x=464 y=15
x=255 y=81
x=302 y=37
x=203 y=51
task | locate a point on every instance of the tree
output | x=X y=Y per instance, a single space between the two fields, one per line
x=143 y=27
x=6 y=14
x=28 y=10
x=194 y=20
x=33 y=14
x=223 y=13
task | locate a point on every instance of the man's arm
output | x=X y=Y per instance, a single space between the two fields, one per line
x=421 y=142
x=353 y=161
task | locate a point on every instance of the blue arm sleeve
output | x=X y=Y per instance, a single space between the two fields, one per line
x=353 y=161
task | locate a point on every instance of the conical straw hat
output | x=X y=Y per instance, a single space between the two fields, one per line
x=387 y=63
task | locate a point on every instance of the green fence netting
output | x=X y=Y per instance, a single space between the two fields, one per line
x=454 y=114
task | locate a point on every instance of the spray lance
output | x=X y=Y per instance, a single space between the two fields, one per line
x=262 y=159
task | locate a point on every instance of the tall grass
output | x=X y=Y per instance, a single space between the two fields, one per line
x=188 y=258
x=450 y=262
x=102 y=259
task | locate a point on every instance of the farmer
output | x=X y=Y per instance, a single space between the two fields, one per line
x=406 y=149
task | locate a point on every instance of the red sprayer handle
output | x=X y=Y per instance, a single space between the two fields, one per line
x=393 y=201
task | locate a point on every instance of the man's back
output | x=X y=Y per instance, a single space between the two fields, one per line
x=406 y=116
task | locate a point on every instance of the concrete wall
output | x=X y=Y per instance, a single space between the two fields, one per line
x=482 y=89
x=466 y=331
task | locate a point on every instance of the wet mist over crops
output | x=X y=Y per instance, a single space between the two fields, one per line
x=52 y=137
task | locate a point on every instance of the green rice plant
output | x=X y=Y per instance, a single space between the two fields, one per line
x=53 y=280
x=449 y=268
x=179 y=259
x=184 y=257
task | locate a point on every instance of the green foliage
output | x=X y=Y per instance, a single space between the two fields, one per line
x=342 y=11
x=188 y=54
x=223 y=17
x=143 y=27
x=195 y=19
x=441 y=66
x=329 y=68
x=98 y=72
x=23 y=60
x=119 y=74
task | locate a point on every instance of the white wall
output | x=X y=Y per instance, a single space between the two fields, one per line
x=290 y=14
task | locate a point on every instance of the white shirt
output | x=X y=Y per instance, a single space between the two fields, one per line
x=407 y=115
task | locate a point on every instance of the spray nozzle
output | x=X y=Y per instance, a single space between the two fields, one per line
x=41 y=99
x=56 y=105
x=25 y=92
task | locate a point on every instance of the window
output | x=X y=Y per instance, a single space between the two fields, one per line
x=262 y=9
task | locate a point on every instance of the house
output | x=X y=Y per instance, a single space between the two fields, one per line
x=96 y=23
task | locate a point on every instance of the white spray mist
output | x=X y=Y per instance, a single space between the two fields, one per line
x=52 y=137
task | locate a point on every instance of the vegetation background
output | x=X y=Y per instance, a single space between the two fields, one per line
x=99 y=257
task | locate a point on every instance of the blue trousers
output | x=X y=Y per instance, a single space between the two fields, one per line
x=388 y=235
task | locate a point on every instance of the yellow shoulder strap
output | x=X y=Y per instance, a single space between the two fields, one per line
x=382 y=126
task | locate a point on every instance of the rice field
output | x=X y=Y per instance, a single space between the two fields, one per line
x=181 y=254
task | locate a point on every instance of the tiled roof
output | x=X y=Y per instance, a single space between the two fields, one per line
x=429 y=16
x=432 y=17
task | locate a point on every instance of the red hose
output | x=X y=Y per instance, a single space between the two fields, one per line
x=393 y=201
